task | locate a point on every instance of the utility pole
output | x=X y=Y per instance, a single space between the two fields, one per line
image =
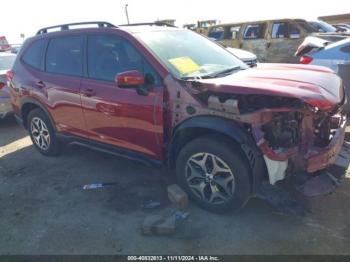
x=126 y=13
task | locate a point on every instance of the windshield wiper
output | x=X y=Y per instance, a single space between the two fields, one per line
x=222 y=73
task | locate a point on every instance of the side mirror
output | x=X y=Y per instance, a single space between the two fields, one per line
x=130 y=79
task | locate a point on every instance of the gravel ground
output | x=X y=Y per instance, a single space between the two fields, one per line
x=43 y=210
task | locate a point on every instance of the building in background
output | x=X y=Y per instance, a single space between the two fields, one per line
x=336 y=19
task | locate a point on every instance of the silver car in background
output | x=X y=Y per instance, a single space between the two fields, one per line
x=6 y=62
x=316 y=51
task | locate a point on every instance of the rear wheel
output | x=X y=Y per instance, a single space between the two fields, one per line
x=215 y=173
x=42 y=133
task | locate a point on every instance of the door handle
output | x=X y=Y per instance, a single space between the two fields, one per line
x=40 y=84
x=89 y=92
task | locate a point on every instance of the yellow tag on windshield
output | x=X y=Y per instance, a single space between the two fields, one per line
x=185 y=65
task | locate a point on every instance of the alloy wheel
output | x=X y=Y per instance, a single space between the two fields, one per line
x=40 y=133
x=210 y=178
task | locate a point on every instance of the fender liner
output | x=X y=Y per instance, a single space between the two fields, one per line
x=29 y=100
x=230 y=129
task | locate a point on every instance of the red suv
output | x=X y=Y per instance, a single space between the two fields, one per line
x=169 y=96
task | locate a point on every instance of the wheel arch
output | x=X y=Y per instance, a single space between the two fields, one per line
x=203 y=125
x=29 y=104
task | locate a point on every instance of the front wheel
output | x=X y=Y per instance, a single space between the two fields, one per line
x=42 y=133
x=215 y=173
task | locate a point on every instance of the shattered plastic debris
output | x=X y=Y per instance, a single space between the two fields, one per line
x=96 y=186
x=180 y=216
x=151 y=204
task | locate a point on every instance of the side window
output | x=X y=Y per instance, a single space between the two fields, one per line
x=234 y=32
x=33 y=56
x=279 y=30
x=109 y=55
x=217 y=33
x=294 y=31
x=254 y=31
x=64 y=56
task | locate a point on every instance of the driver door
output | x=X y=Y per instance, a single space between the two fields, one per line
x=120 y=116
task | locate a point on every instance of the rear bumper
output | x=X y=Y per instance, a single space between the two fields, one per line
x=5 y=107
x=320 y=158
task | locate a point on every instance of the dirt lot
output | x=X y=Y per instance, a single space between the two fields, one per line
x=43 y=210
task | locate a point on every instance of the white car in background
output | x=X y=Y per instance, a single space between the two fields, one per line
x=6 y=62
x=247 y=57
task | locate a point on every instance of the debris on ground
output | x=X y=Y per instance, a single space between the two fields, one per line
x=180 y=216
x=97 y=186
x=178 y=197
x=151 y=204
x=159 y=225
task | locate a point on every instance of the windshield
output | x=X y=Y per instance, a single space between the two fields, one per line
x=323 y=26
x=6 y=62
x=187 y=54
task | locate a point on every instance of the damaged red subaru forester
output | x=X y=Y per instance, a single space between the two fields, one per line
x=171 y=97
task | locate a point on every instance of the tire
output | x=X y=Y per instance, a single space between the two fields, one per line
x=42 y=133
x=225 y=184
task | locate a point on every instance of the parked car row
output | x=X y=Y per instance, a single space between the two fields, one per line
x=171 y=97
x=273 y=41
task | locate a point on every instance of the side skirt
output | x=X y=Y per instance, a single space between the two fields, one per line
x=109 y=149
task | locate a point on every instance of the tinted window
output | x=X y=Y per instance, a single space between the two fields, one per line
x=33 y=56
x=279 y=30
x=294 y=31
x=64 y=56
x=109 y=55
x=255 y=31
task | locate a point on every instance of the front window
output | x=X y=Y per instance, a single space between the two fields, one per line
x=187 y=54
x=306 y=26
x=6 y=62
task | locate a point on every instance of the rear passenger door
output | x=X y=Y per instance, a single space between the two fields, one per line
x=120 y=116
x=254 y=40
x=284 y=38
x=61 y=83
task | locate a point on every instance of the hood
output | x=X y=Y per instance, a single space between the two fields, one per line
x=241 y=54
x=317 y=86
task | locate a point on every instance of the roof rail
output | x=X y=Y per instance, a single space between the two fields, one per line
x=151 y=23
x=65 y=27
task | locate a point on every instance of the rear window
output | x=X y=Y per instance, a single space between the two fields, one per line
x=33 y=56
x=254 y=31
x=6 y=62
x=64 y=56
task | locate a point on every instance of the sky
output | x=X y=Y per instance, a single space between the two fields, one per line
x=27 y=16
